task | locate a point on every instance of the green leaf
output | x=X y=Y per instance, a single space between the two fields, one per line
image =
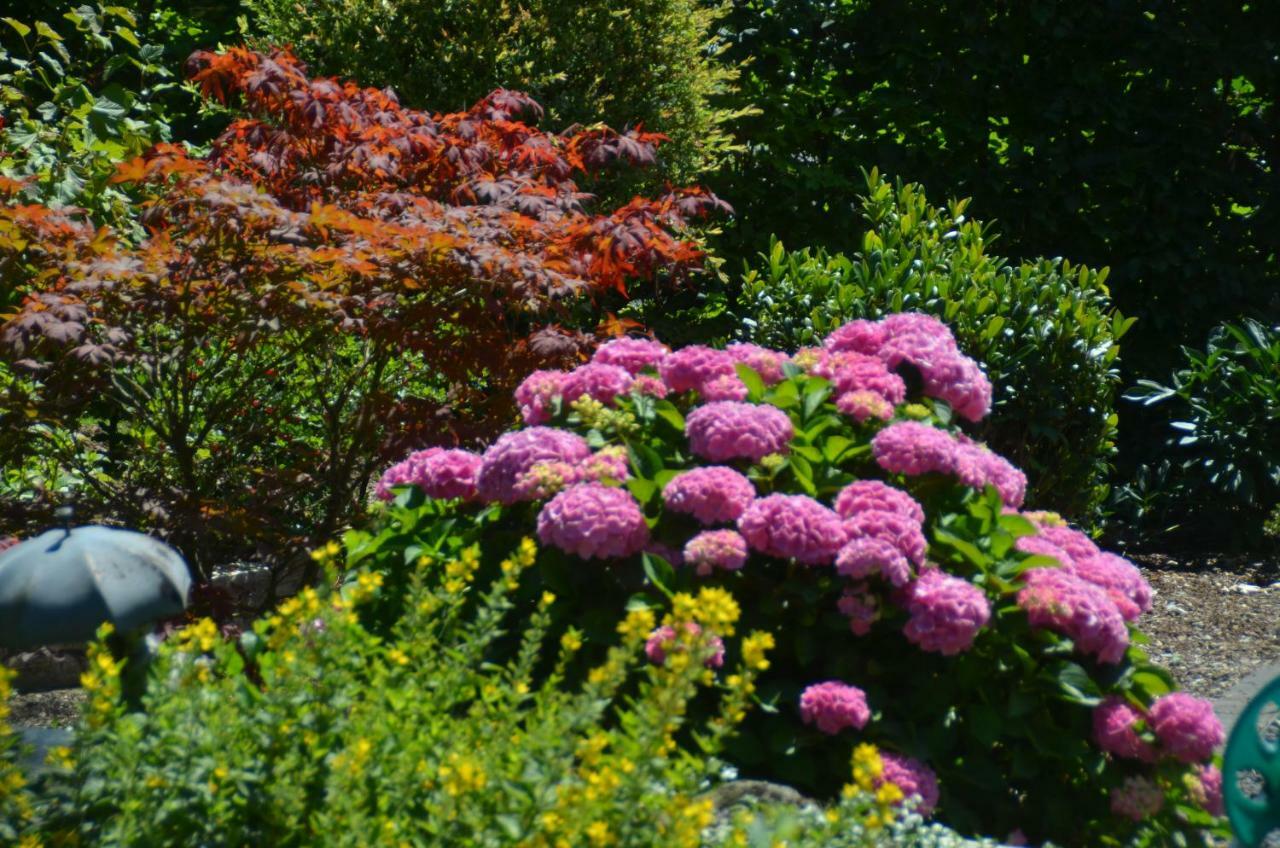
x=835 y=446
x=667 y=411
x=659 y=572
x=751 y=377
x=47 y=31
x=645 y=460
x=23 y=29
x=643 y=489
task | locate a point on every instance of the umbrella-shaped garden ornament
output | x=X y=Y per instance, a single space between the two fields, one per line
x=62 y=585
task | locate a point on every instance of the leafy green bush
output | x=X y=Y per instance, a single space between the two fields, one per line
x=1221 y=463
x=653 y=62
x=1045 y=330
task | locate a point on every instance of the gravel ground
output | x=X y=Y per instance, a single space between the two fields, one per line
x=1214 y=619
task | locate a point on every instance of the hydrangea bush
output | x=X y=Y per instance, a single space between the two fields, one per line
x=989 y=652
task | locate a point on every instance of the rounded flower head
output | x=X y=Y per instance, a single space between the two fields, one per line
x=598 y=382
x=861 y=608
x=515 y=453
x=1114 y=730
x=945 y=613
x=444 y=474
x=765 y=362
x=1186 y=726
x=1059 y=601
x=406 y=472
x=1204 y=785
x=852 y=372
x=714 y=494
x=715 y=549
x=832 y=706
x=875 y=496
x=594 y=521
x=862 y=405
x=666 y=640
x=1076 y=544
x=634 y=355
x=608 y=463
x=870 y=555
x=726 y=430
x=723 y=388
x=913 y=777
x=536 y=394
x=1138 y=798
x=545 y=479
x=979 y=467
x=858 y=336
x=651 y=386
x=912 y=448
x=1121 y=580
x=1041 y=546
x=901 y=531
x=690 y=368
x=792 y=527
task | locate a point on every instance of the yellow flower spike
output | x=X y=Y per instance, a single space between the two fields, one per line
x=398 y=656
x=527 y=552
x=548 y=598
x=571 y=641
x=638 y=624
x=754 y=648
x=889 y=794
x=333 y=548
x=598 y=833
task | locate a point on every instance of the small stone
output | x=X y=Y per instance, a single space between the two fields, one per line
x=1244 y=589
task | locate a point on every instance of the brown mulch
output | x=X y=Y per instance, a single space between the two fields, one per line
x=1214 y=619
x=54 y=708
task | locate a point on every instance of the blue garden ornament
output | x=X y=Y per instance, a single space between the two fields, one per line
x=1254 y=816
x=62 y=585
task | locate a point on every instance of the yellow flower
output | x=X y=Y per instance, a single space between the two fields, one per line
x=571 y=641
x=527 y=552
x=548 y=598
x=550 y=821
x=398 y=656
x=718 y=610
x=754 y=648
x=638 y=624
x=598 y=833
x=889 y=794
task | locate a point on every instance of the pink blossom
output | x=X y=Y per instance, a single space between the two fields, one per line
x=1204 y=785
x=545 y=479
x=726 y=430
x=634 y=355
x=902 y=531
x=515 y=453
x=607 y=464
x=1040 y=546
x=873 y=495
x=1120 y=579
x=689 y=368
x=1076 y=544
x=860 y=336
x=792 y=527
x=726 y=387
x=603 y=383
x=861 y=607
x=591 y=520
x=767 y=363
x=863 y=405
x=912 y=448
x=712 y=494
x=651 y=386
x=832 y=706
x=1186 y=726
x=444 y=474
x=1138 y=798
x=1057 y=600
x=851 y=372
x=913 y=777
x=665 y=639
x=536 y=394
x=866 y=556
x=945 y=613
x=979 y=467
x=715 y=549
x=1115 y=730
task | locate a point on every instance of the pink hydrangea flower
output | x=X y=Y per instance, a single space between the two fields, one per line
x=1041 y=546
x=651 y=386
x=863 y=405
x=607 y=464
x=715 y=549
x=713 y=494
x=603 y=383
x=851 y=372
x=902 y=531
x=945 y=613
x=1120 y=579
x=875 y=496
x=544 y=480
x=1076 y=544
x=1115 y=730
x=444 y=474
x=665 y=639
x=725 y=387
x=912 y=448
x=1137 y=798
x=792 y=527
x=832 y=706
x=515 y=453
x=979 y=467
x=765 y=362
x=726 y=430
x=1057 y=600
x=861 y=607
x=1204 y=785
x=536 y=394
x=634 y=355
x=873 y=555
x=860 y=336
x=1186 y=726
x=594 y=521
x=689 y=368
x=913 y=777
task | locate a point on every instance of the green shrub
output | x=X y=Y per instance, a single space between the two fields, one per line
x=654 y=62
x=1045 y=330
x=1221 y=461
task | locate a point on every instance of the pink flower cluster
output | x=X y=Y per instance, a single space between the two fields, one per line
x=1205 y=787
x=875 y=496
x=599 y=382
x=514 y=454
x=713 y=494
x=832 y=706
x=1138 y=798
x=792 y=527
x=711 y=550
x=767 y=363
x=1115 y=730
x=883 y=528
x=913 y=777
x=945 y=613
x=691 y=368
x=861 y=607
x=926 y=344
x=545 y=479
x=590 y=521
x=439 y=473
x=536 y=395
x=1078 y=555
x=666 y=639
x=635 y=355
x=727 y=430
x=1057 y=600
x=1186 y=726
x=862 y=405
x=913 y=448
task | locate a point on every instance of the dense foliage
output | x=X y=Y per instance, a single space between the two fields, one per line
x=1220 y=476
x=654 y=63
x=338 y=269
x=1044 y=330
x=1140 y=136
x=990 y=652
